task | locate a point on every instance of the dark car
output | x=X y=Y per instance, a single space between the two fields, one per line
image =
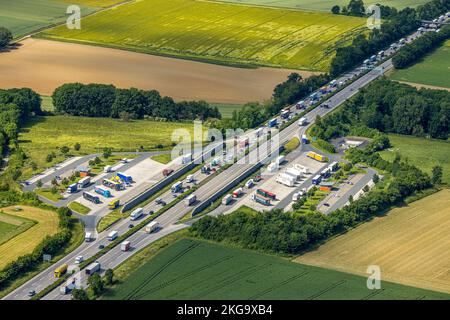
x=130 y=226
x=31 y=293
x=101 y=246
x=151 y=212
x=326 y=204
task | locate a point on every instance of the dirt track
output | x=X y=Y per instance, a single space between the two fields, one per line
x=44 y=65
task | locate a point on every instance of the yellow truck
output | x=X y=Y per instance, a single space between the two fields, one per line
x=61 y=270
x=114 y=204
x=316 y=156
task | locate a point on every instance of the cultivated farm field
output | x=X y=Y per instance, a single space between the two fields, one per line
x=220 y=33
x=43 y=135
x=423 y=153
x=325 y=5
x=433 y=70
x=43 y=223
x=25 y=16
x=191 y=269
x=410 y=244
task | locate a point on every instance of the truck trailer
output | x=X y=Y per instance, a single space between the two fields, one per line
x=72 y=188
x=102 y=191
x=136 y=214
x=272 y=122
x=92 y=268
x=190 y=200
x=124 y=177
x=303 y=121
x=227 y=199
x=286 y=180
x=238 y=192
x=177 y=187
x=91 y=197
x=83 y=183
x=152 y=226
x=125 y=246
x=266 y=194
x=261 y=199
x=316 y=180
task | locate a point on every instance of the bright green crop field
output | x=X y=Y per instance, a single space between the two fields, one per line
x=433 y=70
x=326 y=5
x=423 y=153
x=191 y=269
x=219 y=33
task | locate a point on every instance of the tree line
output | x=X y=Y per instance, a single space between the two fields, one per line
x=99 y=100
x=417 y=49
x=390 y=107
x=16 y=105
x=396 y=24
x=277 y=231
x=284 y=94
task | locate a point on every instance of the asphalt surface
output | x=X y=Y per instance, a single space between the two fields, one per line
x=168 y=220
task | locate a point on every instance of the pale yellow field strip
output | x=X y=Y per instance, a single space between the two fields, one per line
x=47 y=224
x=410 y=244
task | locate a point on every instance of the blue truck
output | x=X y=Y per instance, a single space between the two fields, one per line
x=177 y=187
x=91 y=197
x=72 y=188
x=125 y=178
x=316 y=180
x=272 y=122
x=104 y=192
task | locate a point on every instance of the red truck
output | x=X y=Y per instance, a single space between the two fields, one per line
x=167 y=172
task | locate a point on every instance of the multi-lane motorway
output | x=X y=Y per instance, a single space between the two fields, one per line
x=168 y=220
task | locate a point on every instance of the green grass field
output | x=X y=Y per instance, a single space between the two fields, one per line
x=43 y=135
x=325 y=5
x=219 y=33
x=192 y=269
x=226 y=110
x=433 y=70
x=163 y=158
x=25 y=16
x=10 y=226
x=78 y=207
x=423 y=153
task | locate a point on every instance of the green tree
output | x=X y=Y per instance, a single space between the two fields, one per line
x=49 y=158
x=437 y=172
x=336 y=9
x=64 y=150
x=109 y=277
x=5 y=37
x=79 y=294
x=356 y=8
x=96 y=283
x=107 y=152
x=375 y=178
x=77 y=147
x=39 y=184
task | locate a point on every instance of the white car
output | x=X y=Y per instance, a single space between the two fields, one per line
x=79 y=259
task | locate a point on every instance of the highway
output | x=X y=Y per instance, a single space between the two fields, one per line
x=168 y=220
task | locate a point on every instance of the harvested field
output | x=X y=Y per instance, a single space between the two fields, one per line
x=410 y=244
x=44 y=65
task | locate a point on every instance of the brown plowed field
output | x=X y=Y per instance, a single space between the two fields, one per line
x=44 y=65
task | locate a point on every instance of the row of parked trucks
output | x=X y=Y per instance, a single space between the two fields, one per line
x=263 y=197
x=325 y=173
